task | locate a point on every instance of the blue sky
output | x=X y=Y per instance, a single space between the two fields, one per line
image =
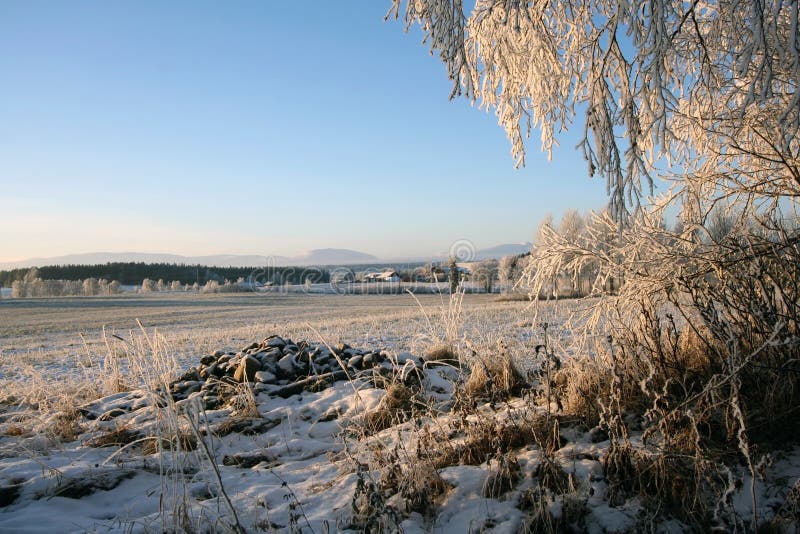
x=251 y=127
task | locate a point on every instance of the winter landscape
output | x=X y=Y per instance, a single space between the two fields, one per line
x=257 y=274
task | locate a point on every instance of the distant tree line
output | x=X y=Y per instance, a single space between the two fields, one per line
x=134 y=273
x=31 y=285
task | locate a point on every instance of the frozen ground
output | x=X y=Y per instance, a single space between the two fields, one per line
x=52 y=334
x=310 y=461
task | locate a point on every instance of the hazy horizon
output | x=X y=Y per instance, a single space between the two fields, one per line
x=464 y=250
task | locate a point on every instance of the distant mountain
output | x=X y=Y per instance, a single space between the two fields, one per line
x=508 y=249
x=325 y=256
x=333 y=256
x=320 y=256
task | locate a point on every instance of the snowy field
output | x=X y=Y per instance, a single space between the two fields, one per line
x=51 y=333
x=350 y=422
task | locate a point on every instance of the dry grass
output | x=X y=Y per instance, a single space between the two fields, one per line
x=580 y=386
x=494 y=378
x=15 y=430
x=183 y=442
x=483 y=440
x=240 y=398
x=117 y=437
x=442 y=353
x=552 y=476
x=66 y=425
x=397 y=406
x=540 y=519
x=419 y=485
x=503 y=478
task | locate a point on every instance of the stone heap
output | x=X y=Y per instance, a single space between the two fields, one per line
x=282 y=367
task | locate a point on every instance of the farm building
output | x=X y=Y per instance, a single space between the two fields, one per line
x=385 y=276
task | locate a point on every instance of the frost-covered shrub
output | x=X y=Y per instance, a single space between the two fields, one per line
x=212 y=286
x=706 y=326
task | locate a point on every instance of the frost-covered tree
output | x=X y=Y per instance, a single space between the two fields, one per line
x=485 y=273
x=572 y=227
x=571 y=224
x=91 y=287
x=720 y=223
x=114 y=287
x=148 y=286
x=505 y=270
x=17 y=289
x=73 y=287
x=703 y=90
x=211 y=286
x=546 y=222
x=703 y=333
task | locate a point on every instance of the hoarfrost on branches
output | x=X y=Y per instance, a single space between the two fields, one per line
x=706 y=91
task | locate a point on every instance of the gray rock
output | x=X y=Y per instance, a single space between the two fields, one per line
x=260 y=388
x=272 y=355
x=186 y=387
x=192 y=375
x=250 y=347
x=208 y=359
x=287 y=364
x=265 y=377
x=275 y=341
x=258 y=355
x=211 y=370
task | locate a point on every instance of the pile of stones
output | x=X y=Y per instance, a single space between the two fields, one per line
x=283 y=367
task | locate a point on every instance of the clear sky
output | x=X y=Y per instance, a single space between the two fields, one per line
x=251 y=127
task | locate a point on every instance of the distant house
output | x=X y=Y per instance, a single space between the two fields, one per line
x=385 y=276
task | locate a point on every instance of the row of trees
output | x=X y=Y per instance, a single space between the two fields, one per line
x=151 y=286
x=134 y=273
x=32 y=285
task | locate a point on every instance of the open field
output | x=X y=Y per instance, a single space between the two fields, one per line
x=23 y=317
x=51 y=332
